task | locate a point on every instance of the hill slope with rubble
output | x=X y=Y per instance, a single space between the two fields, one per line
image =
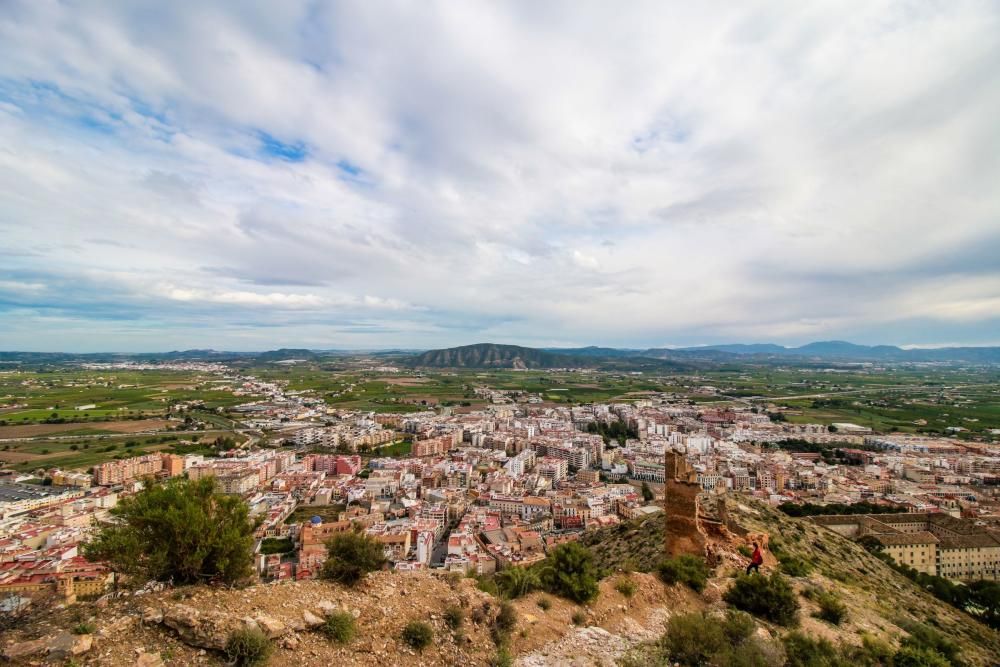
x=187 y=626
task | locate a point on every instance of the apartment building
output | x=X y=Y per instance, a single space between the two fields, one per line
x=934 y=543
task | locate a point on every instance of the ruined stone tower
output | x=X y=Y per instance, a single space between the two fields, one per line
x=681 y=507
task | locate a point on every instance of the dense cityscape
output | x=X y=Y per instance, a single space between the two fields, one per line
x=480 y=490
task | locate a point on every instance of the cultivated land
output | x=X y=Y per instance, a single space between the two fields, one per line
x=46 y=418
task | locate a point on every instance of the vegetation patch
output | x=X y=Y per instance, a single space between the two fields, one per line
x=684 y=569
x=768 y=597
x=248 y=647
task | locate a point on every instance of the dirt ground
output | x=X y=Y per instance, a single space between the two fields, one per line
x=404 y=381
x=35 y=430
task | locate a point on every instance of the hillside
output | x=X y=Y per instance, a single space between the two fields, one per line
x=491 y=355
x=186 y=626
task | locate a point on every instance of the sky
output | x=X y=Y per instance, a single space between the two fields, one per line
x=249 y=175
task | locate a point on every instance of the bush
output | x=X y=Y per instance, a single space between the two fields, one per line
x=627 y=587
x=804 y=651
x=831 y=609
x=418 y=635
x=686 y=569
x=771 y=598
x=481 y=613
x=517 y=581
x=700 y=639
x=503 y=658
x=181 y=530
x=84 y=628
x=544 y=604
x=570 y=572
x=339 y=627
x=454 y=617
x=794 y=566
x=925 y=637
x=351 y=556
x=248 y=647
x=919 y=656
x=578 y=618
x=506 y=619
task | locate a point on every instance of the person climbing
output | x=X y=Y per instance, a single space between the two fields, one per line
x=755 y=560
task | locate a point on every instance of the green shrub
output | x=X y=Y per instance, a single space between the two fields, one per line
x=701 y=639
x=926 y=637
x=578 y=618
x=744 y=551
x=85 y=628
x=804 y=651
x=627 y=587
x=418 y=635
x=503 y=658
x=686 y=569
x=350 y=556
x=517 y=581
x=831 y=609
x=454 y=617
x=769 y=597
x=248 y=647
x=488 y=585
x=919 y=656
x=544 y=603
x=506 y=619
x=339 y=627
x=794 y=566
x=570 y=572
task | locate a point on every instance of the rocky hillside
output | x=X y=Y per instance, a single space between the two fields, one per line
x=188 y=626
x=491 y=355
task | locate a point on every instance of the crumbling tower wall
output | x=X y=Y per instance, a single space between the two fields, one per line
x=681 y=507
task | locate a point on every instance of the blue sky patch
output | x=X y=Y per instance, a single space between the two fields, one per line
x=273 y=147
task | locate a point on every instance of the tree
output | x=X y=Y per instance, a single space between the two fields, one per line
x=181 y=530
x=647 y=493
x=351 y=556
x=570 y=572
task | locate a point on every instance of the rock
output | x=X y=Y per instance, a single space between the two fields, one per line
x=326 y=607
x=24 y=649
x=311 y=620
x=291 y=642
x=270 y=626
x=152 y=615
x=209 y=629
x=66 y=645
x=149 y=660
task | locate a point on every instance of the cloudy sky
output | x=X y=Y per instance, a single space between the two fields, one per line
x=248 y=175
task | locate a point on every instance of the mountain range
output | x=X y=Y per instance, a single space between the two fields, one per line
x=494 y=355
x=491 y=355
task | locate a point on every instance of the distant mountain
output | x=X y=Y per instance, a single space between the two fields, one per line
x=594 y=351
x=491 y=355
x=845 y=351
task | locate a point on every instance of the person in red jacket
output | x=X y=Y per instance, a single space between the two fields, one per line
x=755 y=560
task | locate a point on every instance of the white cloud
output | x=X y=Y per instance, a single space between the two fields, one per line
x=787 y=170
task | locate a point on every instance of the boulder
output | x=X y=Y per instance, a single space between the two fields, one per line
x=24 y=649
x=152 y=615
x=270 y=626
x=311 y=620
x=209 y=629
x=66 y=645
x=149 y=660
